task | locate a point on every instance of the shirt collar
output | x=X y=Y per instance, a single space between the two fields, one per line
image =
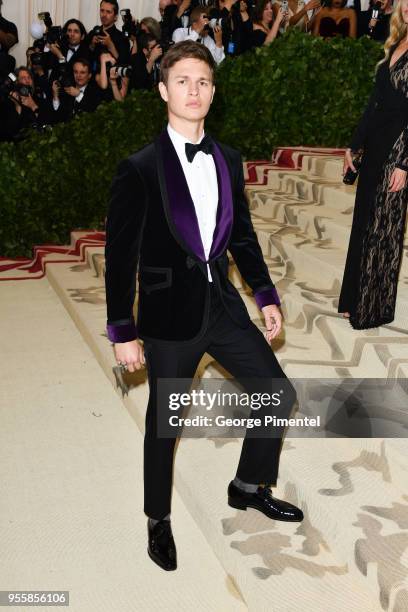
x=178 y=140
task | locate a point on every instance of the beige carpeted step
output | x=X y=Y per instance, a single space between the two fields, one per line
x=266 y=559
x=71 y=509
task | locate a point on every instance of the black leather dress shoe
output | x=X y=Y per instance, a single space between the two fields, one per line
x=161 y=547
x=263 y=501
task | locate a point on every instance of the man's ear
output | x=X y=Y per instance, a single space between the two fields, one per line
x=163 y=91
x=212 y=97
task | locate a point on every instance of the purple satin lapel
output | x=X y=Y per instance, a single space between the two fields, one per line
x=181 y=205
x=225 y=205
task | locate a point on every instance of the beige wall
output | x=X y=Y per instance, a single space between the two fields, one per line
x=24 y=12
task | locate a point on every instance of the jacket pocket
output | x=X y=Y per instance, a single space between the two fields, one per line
x=152 y=278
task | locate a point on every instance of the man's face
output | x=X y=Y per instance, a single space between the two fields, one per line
x=82 y=76
x=74 y=34
x=107 y=14
x=24 y=78
x=189 y=91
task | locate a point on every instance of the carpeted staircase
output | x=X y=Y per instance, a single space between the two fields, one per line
x=351 y=551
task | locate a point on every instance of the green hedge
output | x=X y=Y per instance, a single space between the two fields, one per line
x=300 y=90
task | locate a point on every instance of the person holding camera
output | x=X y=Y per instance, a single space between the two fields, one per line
x=146 y=63
x=380 y=147
x=8 y=38
x=80 y=96
x=107 y=38
x=265 y=26
x=110 y=80
x=335 y=19
x=199 y=31
x=22 y=109
x=73 y=45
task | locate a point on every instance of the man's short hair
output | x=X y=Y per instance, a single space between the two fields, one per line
x=84 y=62
x=186 y=49
x=113 y=3
x=196 y=13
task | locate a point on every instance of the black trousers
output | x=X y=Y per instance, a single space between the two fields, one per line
x=246 y=354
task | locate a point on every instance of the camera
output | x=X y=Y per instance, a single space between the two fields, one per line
x=165 y=45
x=120 y=71
x=129 y=28
x=64 y=76
x=9 y=84
x=46 y=18
x=98 y=31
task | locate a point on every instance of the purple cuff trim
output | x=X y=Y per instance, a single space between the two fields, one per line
x=122 y=333
x=267 y=297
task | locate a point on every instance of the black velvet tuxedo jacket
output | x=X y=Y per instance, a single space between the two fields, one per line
x=152 y=227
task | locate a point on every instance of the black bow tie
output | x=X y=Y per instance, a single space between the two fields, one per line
x=206 y=146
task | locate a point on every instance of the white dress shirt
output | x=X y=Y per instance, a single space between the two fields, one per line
x=71 y=52
x=189 y=34
x=201 y=177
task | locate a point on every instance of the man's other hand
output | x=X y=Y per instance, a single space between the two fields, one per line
x=130 y=353
x=273 y=321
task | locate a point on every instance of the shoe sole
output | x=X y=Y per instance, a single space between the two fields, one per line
x=167 y=569
x=238 y=506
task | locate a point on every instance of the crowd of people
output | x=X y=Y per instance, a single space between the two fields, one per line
x=70 y=71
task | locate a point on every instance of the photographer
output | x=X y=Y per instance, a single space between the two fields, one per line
x=8 y=38
x=110 y=81
x=72 y=45
x=107 y=38
x=42 y=86
x=145 y=63
x=20 y=108
x=81 y=96
x=199 y=31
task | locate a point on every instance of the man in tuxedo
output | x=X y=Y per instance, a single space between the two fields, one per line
x=82 y=96
x=177 y=205
x=73 y=46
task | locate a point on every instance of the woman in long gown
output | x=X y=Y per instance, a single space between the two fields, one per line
x=369 y=288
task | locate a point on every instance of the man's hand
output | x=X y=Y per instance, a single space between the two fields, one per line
x=273 y=321
x=398 y=180
x=55 y=50
x=130 y=353
x=72 y=91
x=16 y=99
x=29 y=102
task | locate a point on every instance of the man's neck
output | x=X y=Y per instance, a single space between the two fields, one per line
x=192 y=131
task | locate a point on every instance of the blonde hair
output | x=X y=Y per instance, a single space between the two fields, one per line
x=398 y=30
